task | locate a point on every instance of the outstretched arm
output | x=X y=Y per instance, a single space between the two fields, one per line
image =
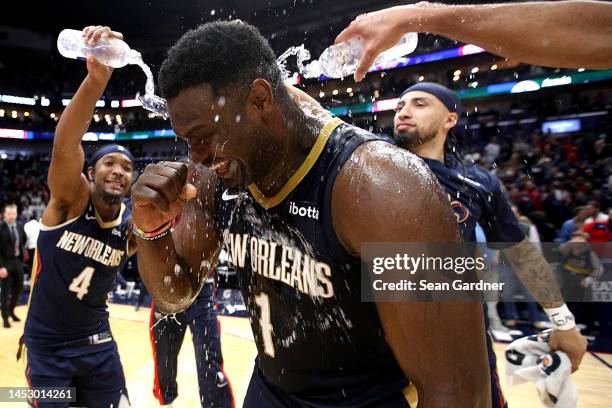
x=68 y=185
x=174 y=266
x=567 y=34
x=440 y=346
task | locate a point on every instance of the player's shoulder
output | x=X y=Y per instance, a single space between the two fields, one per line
x=345 y=131
x=386 y=166
x=489 y=182
x=58 y=212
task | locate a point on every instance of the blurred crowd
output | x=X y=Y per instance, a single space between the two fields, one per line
x=559 y=183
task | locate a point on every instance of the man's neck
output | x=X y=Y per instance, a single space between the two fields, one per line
x=434 y=149
x=300 y=134
x=108 y=212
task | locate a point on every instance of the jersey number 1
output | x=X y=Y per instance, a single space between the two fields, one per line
x=80 y=284
x=263 y=301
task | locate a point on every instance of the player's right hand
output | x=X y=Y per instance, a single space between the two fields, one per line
x=91 y=35
x=381 y=30
x=159 y=194
x=3 y=273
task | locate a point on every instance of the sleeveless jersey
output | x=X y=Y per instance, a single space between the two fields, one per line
x=315 y=338
x=477 y=197
x=75 y=268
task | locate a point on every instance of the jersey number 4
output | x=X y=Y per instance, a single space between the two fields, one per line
x=80 y=284
x=263 y=301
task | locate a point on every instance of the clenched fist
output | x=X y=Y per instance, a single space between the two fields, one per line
x=159 y=194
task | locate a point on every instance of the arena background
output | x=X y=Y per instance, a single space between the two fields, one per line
x=545 y=132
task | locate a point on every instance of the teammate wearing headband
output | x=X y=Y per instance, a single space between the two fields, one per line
x=82 y=245
x=425 y=115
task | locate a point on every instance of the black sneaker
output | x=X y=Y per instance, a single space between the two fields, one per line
x=15 y=318
x=6 y=324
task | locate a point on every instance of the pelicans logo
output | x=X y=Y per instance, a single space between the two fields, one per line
x=461 y=212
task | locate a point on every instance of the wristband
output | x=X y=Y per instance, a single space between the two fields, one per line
x=153 y=235
x=561 y=317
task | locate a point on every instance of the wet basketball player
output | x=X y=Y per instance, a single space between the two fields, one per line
x=83 y=243
x=293 y=200
x=425 y=114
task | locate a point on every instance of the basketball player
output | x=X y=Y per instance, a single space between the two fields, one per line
x=167 y=336
x=425 y=114
x=83 y=243
x=569 y=34
x=293 y=200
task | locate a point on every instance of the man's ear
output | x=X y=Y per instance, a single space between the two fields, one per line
x=90 y=173
x=451 y=120
x=261 y=98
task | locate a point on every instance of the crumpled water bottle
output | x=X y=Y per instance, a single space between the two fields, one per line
x=109 y=51
x=340 y=60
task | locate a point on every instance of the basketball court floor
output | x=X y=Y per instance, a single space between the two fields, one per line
x=130 y=328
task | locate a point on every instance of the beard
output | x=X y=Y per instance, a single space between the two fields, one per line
x=111 y=198
x=408 y=140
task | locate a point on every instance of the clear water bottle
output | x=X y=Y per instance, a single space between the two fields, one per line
x=340 y=60
x=109 y=51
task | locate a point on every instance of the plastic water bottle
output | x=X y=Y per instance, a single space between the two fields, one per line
x=340 y=60
x=109 y=51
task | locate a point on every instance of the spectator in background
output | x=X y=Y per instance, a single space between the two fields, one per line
x=12 y=253
x=514 y=287
x=596 y=214
x=31 y=229
x=600 y=232
x=520 y=146
x=531 y=229
x=534 y=194
x=580 y=266
x=573 y=224
x=491 y=151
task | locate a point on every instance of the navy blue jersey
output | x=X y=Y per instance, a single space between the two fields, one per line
x=477 y=197
x=77 y=263
x=315 y=337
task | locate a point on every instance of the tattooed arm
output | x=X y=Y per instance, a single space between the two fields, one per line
x=535 y=273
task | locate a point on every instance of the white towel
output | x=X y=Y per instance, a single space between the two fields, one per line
x=529 y=359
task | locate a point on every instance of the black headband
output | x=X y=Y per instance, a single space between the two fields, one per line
x=448 y=98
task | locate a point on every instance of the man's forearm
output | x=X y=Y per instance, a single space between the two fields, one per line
x=535 y=273
x=76 y=118
x=558 y=34
x=169 y=280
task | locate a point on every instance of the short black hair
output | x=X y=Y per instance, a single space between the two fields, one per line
x=221 y=54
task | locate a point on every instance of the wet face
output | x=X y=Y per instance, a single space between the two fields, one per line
x=228 y=132
x=112 y=177
x=10 y=214
x=419 y=118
